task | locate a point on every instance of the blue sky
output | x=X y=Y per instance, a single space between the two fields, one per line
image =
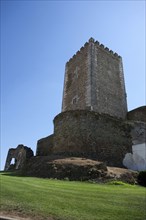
x=39 y=37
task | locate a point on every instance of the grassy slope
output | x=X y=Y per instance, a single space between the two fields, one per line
x=72 y=200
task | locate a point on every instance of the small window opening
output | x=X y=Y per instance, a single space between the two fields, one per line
x=13 y=161
x=13 y=164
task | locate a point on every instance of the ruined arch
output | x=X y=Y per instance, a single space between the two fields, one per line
x=20 y=155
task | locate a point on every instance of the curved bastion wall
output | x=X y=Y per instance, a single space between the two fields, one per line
x=90 y=134
x=97 y=136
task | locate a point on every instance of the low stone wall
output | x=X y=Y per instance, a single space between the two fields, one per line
x=138 y=114
x=138 y=132
x=86 y=132
x=44 y=146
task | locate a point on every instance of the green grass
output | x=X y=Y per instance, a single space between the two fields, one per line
x=72 y=200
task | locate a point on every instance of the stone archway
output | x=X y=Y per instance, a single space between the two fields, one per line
x=16 y=157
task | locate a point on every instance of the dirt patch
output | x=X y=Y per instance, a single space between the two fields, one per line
x=122 y=174
x=78 y=161
x=76 y=168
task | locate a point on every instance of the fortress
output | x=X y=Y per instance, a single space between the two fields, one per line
x=94 y=122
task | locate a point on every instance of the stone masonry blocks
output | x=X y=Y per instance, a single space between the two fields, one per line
x=94 y=80
x=90 y=133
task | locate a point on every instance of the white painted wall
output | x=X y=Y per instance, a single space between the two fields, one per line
x=136 y=160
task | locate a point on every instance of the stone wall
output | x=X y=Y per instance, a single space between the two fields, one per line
x=108 y=93
x=138 y=114
x=94 y=80
x=88 y=133
x=138 y=132
x=44 y=146
x=76 y=82
x=137 y=159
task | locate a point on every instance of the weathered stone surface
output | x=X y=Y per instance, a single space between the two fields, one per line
x=94 y=80
x=21 y=154
x=93 y=135
x=137 y=159
x=138 y=132
x=45 y=146
x=138 y=114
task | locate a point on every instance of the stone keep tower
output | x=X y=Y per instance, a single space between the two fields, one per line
x=94 y=80
x=94 y=109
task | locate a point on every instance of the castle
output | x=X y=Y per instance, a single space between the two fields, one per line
x=94 y=122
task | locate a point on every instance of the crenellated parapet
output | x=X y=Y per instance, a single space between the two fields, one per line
x=99 y=46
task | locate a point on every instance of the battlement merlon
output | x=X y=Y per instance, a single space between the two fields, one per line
x=99 y=45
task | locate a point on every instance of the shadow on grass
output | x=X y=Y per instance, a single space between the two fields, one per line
x=12 y=173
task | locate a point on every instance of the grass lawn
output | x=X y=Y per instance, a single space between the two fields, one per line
x=67 y=200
